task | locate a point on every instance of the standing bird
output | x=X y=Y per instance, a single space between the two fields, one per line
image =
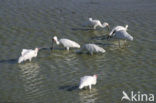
x=96 y=23
x=91 y=48
x=122 y=34
x=117 y=28
x=87 y=81
x=28 y=54
x=65 y=42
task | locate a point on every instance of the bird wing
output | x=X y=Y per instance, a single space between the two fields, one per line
x=69 y=43
x=93 y=22
x=25 y=51
x=117 y=28
x=123 y=34
x=94 y=48
x=85 y=78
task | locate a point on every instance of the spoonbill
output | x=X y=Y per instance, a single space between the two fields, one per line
x=96 y=23
x=28 y=54
x=87 y=81
x=117 y=28
x=92 y=48
x=122 y=34
x=65 y=42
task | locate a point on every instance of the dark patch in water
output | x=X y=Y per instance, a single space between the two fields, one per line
x=10 y=61
x=69 y=87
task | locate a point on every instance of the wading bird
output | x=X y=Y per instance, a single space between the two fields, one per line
x=65 y=42
x=91 y=48
x=122 y=34
x=28 y=54
x=96 y=23
x=117 y=28
x=87 y=81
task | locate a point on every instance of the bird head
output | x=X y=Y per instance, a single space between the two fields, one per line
x=95 y=75
x=54 y=39
x=37 y=49
x=105 y=24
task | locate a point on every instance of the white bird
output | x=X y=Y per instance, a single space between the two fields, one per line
x=96 y=23
x=87 y=81
x=118 y=28
x=91 y=48
x=125 y=96
x=28 y=54
x=65 y=42
x=122 y=34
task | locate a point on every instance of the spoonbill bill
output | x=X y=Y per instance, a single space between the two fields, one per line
x=87 y=81
x=28 y=54
x=65 y=42
x=91 y=48
x=96 y=23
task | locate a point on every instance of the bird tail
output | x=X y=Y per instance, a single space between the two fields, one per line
x=126 y=27
x=130 y=38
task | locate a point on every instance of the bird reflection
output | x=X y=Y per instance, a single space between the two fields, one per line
x=32 y=81
x=88 y=96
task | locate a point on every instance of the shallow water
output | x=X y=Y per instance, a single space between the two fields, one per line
x=53 y=76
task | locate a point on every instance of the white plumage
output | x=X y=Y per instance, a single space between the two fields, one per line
x=118 y=28
x=122 y=34
x=66 y=43
x=92 y=48
x=28 y=54
x=87 y=81
x=96 y=23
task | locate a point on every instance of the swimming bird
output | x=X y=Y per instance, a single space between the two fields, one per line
x=96 y=23
x=87 y=81
x=117 y=28
x=65 y=42
x=91 y=48
x=28 y=54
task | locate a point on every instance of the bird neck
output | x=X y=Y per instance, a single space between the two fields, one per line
x=57 y=42
x=102 y=25
x=36 y=51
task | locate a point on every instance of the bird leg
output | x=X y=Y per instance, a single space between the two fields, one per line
x=91 y=53
x=125 y=43
x=90 y=87
x=67 y=48
x=95 y=26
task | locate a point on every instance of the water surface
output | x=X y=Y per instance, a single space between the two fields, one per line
x=53 y=76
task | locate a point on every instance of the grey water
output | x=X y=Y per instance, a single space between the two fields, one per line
x=53 y=76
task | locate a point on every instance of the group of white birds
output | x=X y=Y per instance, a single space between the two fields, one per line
x=118 y=32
